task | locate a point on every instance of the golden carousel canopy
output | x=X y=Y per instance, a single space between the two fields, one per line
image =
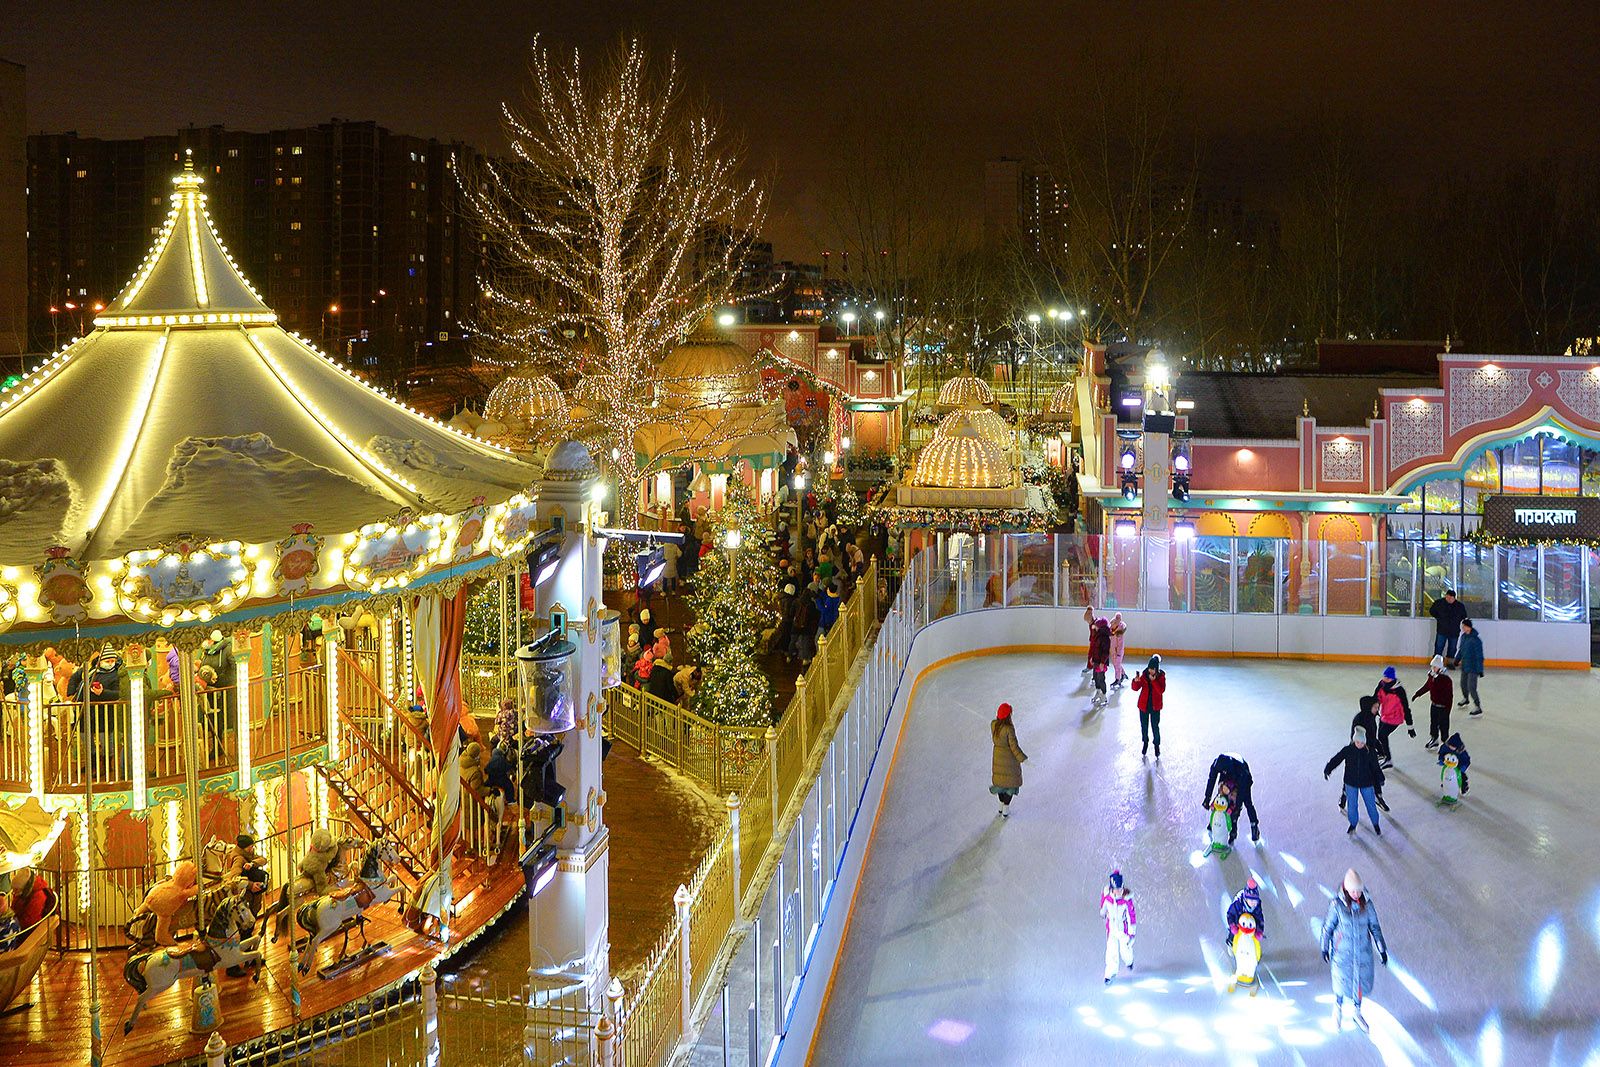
x=988 y=423
x=190 y=456
x=964 y=393
x=708 y=371
x=962 y=456
x=523 y=399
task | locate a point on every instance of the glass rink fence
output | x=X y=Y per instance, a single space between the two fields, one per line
x=1266 y=576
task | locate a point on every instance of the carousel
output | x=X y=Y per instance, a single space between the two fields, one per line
x=232 y=585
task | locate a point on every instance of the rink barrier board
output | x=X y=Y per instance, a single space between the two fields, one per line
x=829 y=938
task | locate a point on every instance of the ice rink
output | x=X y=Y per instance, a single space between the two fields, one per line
x=978 y=940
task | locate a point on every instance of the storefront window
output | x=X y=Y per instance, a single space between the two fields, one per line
x=1346 y=572
x=1560 y=467
x=1520 y=466
x=1257 y=574
x=1563 y=583
x=1394 y=598
x=1211 y=570
x=1519 y=584
x=1475 y=580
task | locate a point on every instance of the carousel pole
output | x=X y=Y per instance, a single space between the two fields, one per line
x=189 y=712
x=97 y=1050
x=288 y=832
x=516 y=607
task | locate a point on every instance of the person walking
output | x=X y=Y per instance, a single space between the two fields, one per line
x=1119 y=631
x=1122 y=924
x=1363 y=778
x=1231 y=769
x=1394 y=708
x=1471 y=660
x=1441 y=693
x=1351 y=937
x=1151 y=685
x=1448 y=615
x=1005 y=768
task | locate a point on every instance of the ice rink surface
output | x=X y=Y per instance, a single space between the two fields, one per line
x=978 y=940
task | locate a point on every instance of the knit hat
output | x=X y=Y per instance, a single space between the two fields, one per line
x=644 y=616
x=1388 y=672
x=1436 y=663
x=245 y=841
x=1352 y=884
x=1116 y=879
x=1003 y=711
x=788 y=589
x=1154 y=664
x=216 y=635
x=1359 y=735
x=1251 y=884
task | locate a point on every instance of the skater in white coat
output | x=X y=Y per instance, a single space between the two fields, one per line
x=1116 y=907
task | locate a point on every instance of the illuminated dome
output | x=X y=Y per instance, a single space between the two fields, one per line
x=525 y=399
x=964 y=393
x=987 y=422
x=962 y=457
x=708 y=371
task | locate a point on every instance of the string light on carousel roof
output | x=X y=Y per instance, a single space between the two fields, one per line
x=962 y=459
x=525 y=398
x=985 y=421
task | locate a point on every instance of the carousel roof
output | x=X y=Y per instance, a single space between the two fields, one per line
x=961 y=456
x=988 y=423
x=189 y=410
x=708 y=370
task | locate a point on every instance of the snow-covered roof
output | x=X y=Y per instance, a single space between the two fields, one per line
x=190 y=411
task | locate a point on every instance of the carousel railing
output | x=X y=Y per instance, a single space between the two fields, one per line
x=15 y=774
x=715 y=756
x=399 y=739
x=485 y=682
x=369 y=781
x=288 y=709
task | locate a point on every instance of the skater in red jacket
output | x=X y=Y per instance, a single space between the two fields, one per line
x=1441 y=694
x=1151 y=685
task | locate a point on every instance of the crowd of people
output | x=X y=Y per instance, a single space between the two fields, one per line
x=1351 y=939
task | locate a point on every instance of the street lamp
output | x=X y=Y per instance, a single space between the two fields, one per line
x=848 y=318
x=725 y=319
x=878 y=314
x=1033 y=317
x=733 y=539
x=827 y=457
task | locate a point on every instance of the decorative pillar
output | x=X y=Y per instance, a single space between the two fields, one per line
x=216 y=1050
x=386 y=672
x=330 y=672
x=772 y=762
x=430 y=1014
x=605 y=1040
x=36 y=668
x=733 y=843
x=241 y=690
x=139 y=768
x=571 y=913
x=682 y=900
x=189 y=712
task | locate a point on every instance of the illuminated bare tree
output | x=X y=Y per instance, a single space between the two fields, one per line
x=620 y=222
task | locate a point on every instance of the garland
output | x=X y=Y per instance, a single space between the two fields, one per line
x=971 y=520
x=1488 y=540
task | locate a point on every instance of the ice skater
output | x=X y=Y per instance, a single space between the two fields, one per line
x=1247 y=930
x=1448 y=615
x=1231 y=769
x=1100 y=659
x=1363 y=779
x=1247 y=902
x=1151 y=685
x=1350 y=934
x=1394 y=708
x=1122 y=921
x=1119 y=631
x=1471 y=663
x=1457 y=748
x=1441 y=694
x=1366 y=720
x=1088 y=620
x=1006 y=767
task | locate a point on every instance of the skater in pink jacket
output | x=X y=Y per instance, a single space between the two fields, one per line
x=1119 y=630
x=1122 y=922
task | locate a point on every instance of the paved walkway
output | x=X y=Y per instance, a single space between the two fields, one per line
x=976 y=940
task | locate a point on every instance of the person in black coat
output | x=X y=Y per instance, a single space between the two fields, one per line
x=1366 y=719
x=1231 y=768
x=1363 y=779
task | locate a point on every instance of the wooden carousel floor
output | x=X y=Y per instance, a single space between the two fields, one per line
x=55 y=1029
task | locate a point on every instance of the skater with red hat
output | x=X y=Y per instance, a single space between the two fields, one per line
x=1006 y=767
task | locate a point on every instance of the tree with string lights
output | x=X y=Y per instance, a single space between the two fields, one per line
x=734 y=603
x=619 y=223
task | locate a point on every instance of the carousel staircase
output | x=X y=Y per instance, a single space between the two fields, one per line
x=381 y=798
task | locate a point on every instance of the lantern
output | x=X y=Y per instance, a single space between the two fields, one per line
x=545 y=685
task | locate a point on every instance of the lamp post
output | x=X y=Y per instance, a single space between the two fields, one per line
x=333 y=309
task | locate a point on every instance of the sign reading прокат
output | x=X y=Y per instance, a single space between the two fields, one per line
x=1546 y=516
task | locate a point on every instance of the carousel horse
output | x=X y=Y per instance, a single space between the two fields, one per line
x=167 y=908
x=154 y=972
x=327 y=863
x=327 y=915
x=423 y=910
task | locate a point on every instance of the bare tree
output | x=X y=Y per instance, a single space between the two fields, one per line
x=620 y=222
x=1129 y=175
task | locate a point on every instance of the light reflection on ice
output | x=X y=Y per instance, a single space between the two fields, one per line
x=1491 y=1042
x=1294 y=863
x=1545 y=967
x=1412 y=984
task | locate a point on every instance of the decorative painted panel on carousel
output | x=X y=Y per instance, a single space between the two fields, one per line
x=1416 y=429
x=1580 y=391
x=1344 y=460
x=1484 y=394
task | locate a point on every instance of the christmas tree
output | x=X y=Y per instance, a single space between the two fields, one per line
x=735 y=603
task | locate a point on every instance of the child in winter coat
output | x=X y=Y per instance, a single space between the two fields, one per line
x=1119 y=630
x=1393 y=709
x=1441 y=694
x=1006 y=767
x=1122 y=921
x=1100 y=658
x=1471 y=662
x=1457 y=748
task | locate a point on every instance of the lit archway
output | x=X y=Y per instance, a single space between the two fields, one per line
x=1268 y=524
x=1216 y=524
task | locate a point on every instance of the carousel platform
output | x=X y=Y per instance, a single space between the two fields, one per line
x=51 y=1024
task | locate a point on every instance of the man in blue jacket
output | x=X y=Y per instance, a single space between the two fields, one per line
x=1471 y=660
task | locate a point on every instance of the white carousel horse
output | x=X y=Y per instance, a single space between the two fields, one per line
x=153 y=973
x=327 y=915
x=303 y=889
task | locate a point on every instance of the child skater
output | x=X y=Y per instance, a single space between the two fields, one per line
x=1116 y=907
x=1119 y=630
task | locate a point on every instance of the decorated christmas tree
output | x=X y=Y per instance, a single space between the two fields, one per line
x=735 y=603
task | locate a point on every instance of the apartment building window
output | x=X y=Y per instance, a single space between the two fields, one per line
x=296 y=180
x=233 y=153
x=83 y=174
x=294 y=225
x=297 y=150
x=278 y=151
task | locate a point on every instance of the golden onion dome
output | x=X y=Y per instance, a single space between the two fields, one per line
x=965 y=392
x=962 y=457
x=987 y=422
x=707 y=370
x=522 y=398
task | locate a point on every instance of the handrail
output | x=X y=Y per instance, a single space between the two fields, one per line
x=365 y=743
x=400 y=715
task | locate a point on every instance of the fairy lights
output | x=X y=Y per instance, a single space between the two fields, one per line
x=965 y=392
x=963 y=458
x=196 y=263
x=117 y=470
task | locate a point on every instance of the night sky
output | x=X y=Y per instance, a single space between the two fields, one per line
x=1432 y=86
